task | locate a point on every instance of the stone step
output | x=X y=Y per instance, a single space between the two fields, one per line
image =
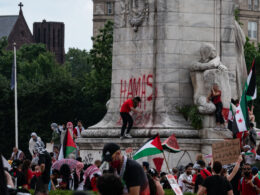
x=180 y=132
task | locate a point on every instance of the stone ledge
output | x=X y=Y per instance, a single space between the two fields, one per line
x=141 y=133
x=135 y=143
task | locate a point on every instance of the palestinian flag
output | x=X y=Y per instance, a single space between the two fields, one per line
x=230 y=117
x=67 y=147
x=251 y=89
x=241 y=119
x=151 y=147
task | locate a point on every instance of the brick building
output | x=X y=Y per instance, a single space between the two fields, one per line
x=103 y=10
x=15 y=29
x=52 y=35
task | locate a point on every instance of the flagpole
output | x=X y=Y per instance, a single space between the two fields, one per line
x=15 y=98
x=166 y=162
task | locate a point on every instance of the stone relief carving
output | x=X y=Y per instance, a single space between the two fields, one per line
x=136 y=11
x=209 y=59
x=241 y=70
x=204 y=74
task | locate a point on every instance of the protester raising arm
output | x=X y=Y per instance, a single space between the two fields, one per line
x=235 y=169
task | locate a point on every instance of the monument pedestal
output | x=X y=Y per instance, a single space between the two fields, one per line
x=154 y=46
x=191 y=143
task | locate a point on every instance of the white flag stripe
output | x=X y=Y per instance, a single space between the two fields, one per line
x=147 y=145
x=240 y=120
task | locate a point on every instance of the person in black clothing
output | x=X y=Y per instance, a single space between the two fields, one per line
x=164 y=181
x=45 y=163
x=130 y=171
x=109 y=184
x=216 y=184
x=65 y=175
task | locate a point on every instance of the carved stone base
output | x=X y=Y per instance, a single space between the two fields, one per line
x=209 y=121
x=191 y=143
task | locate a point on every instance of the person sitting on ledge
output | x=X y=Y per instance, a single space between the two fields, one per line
x=215 y=97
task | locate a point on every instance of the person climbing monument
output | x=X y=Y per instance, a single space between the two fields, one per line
x=215 y=97
x=128 y=106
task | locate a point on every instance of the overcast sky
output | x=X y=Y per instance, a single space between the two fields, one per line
x=76 y=14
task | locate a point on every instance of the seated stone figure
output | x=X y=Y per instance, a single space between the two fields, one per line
x=204 y=74
x=209 y=59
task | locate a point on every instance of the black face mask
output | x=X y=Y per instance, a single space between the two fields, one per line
x=247 y=174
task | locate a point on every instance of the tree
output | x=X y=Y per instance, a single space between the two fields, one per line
x=49 y=92
x=78 y=62
x=98 y=81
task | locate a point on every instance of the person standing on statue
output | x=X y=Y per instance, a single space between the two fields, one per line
x=215 y=97
x=128 y=106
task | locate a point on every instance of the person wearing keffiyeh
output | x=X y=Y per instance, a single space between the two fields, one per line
x=45 y=164
x=55 y=134
x=78 y=177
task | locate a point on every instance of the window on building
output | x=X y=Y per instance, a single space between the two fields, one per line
x=252 y=30
x=256 y=4
x=109 y=8
x=59 y=38
x=250 y=4
x=53 y=43
x=44 y=35
x=39 y=35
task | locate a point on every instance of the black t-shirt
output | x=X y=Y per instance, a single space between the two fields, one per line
x=134 y=175
x=234 y=182
x=45 y=158
x=199 y=181
x=217 y=185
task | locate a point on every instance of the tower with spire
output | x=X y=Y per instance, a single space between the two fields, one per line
x=15 y=29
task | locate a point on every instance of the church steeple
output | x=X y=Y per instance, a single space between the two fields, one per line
x=20 y=5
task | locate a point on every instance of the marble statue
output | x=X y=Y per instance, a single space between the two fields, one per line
x=204 y=74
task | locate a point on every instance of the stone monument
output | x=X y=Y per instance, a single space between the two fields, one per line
x=208 y=71
x=155 y=44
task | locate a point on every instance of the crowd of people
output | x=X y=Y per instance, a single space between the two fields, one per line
x=126 y=176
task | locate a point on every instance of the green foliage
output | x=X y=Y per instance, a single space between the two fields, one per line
x=78 y=62
x=236 y=14
x=191 y=113
x=252 y=52
x=49 y=92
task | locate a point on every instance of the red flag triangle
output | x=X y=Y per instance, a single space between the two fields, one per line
x=158 y=163
x=157 y=142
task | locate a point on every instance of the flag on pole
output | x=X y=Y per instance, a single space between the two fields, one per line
x=241 y=119
x=151 y=147
x=67 y=147
x=230 y=117
x=251 y=89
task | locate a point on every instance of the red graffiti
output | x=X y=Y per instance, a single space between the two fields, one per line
x=142 y=87
x=137 y=87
